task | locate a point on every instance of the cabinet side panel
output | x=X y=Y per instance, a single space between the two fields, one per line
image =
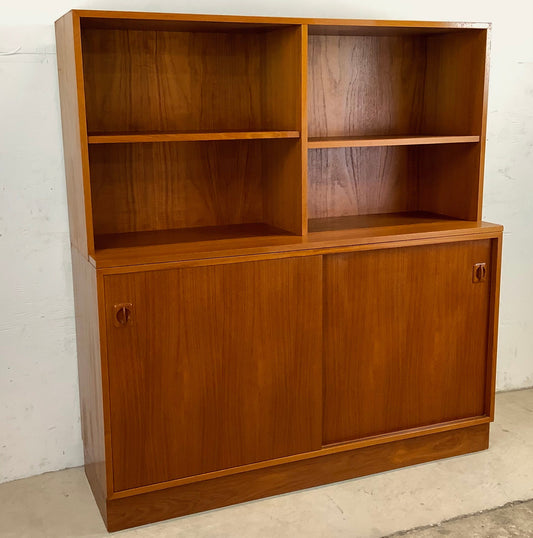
x=74 y=132
x=90 y=375
x=455 y=83
x=496 y=255
x=448 y=180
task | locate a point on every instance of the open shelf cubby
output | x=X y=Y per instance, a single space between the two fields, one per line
x=395 y=121
x=190 y=78
x=353 y=182
x=193 y=191
x=399 y=84
x=194 y=130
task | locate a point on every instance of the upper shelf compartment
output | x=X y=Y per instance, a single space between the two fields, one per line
x=168 y=77
x=381 y=82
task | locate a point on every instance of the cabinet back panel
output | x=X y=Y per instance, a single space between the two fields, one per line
x=185 y=81
x=161 y=186
x=369 y=85
x=365 y=85
x=405 y=338
x=360 y=181
x=220 y=367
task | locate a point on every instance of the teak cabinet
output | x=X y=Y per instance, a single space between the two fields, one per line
x=281 y=274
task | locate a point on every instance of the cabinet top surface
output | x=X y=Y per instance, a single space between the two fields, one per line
x=253 y=20
x=317 y=242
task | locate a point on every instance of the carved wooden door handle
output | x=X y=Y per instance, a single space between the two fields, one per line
x=479 y=272
x=123 y=314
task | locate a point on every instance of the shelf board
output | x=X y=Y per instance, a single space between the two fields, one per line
x=189 y=136
x=376 y=141
x=186 y=235
x=378 y=220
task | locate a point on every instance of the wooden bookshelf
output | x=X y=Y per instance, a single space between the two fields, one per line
x=281 y=276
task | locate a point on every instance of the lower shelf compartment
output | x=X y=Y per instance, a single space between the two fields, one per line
x=378 y=220
x=187 y=235
x=123 y=513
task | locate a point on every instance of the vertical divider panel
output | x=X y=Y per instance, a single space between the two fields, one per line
x=304 y=127
x=283 y=107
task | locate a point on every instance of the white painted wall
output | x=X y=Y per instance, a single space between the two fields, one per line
x=39 y=412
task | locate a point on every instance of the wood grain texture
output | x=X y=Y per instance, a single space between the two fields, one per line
x=90 y=376
x=324 y=451
x=496 y=264
x=282 y=185
x=73 y=123
x=454 y=83
x=360 y=181
x=137 y=257
x=383 y=28
x=304 y=131
x=365 y=86
x=284 y=170
x=123 y=138
x=224 y=491
x=405 y=338
x=179 y=21
x=372 y=141
x=203 y=81
x=199 y=235
x=484 y=109
x=143 y=187
x=220 y=365
x=164 y=186
x=405 y=218
x=439 y=178
x=448 y=180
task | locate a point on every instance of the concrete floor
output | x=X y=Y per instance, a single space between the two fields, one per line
x=60 y=505
x=513 y=519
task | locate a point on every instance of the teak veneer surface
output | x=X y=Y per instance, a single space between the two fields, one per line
x=190 y=21
x=154 y=136
x=330 y=234
x=396 y=140
x=442 y=179
x=203 y=81
x=232 y=377
x=414 y=351
x=232 y=489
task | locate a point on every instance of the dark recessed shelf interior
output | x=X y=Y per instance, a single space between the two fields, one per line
x=187 y=235
x=378 y=220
